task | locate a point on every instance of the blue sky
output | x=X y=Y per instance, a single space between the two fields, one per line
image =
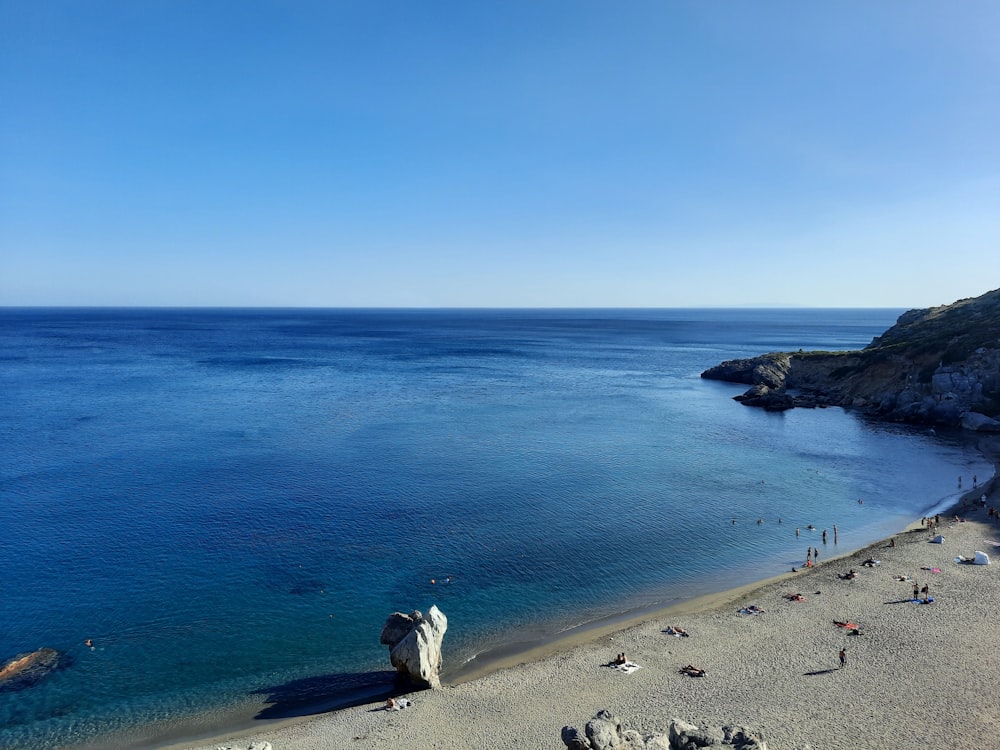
x=539 y=153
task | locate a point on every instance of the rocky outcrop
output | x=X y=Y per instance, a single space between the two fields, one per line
x=935 y=366
x=606 y=732
x=25 y=670
x=414 y=643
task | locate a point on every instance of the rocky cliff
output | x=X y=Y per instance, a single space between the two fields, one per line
x=935 y=366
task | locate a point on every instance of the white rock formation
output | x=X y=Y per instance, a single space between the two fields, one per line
x=414 y=643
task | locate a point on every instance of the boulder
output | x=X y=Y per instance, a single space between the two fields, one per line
x=606 y=732
x=24 y=670
x=414 y=643
x=979 y=422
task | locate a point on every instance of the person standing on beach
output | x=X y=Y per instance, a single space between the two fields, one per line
x=916 y=590
x=843 y=658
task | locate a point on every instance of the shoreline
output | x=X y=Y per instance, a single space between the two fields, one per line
x=504 y=666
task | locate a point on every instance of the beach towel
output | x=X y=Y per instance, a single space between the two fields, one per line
x=628 y=667
x=847 y=625
x=928 y=600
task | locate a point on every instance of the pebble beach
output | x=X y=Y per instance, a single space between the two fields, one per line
x=916 y=675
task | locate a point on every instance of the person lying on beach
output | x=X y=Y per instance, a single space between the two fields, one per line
x=795 y=597
x=398 y=704
x=753 y=609
x=692 y=671
x=679 y=632
x=849 y=575
x=871 y=562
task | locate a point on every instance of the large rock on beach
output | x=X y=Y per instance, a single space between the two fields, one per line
x=24 y=670
x=414 y=642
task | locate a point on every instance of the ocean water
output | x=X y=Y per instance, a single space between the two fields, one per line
x=230 y=502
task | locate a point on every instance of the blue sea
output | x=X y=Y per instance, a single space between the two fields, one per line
x=230 y=502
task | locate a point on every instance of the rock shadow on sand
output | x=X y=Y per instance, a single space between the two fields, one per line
x=316 y=695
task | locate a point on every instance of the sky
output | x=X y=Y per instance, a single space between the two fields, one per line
x=515 y=153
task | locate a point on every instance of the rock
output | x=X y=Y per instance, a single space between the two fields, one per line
x=979 y=422
x=25 y=670
x=414 y=643
x=605 y=731
x=574 y=739
x=933 y=366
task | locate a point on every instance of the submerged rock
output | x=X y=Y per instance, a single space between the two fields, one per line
x=25 y=670
x=414 y=643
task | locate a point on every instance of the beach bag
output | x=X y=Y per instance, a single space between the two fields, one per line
x=982 y=558
x=937 y=540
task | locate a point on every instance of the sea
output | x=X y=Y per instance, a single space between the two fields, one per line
x=228 y=503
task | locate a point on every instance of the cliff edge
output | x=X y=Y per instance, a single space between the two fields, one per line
x=938 y=366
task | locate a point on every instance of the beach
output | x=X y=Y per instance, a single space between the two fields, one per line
x=917 y=675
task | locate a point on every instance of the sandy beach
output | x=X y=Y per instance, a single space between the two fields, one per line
x=917 y=675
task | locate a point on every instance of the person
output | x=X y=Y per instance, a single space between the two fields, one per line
x=926 y=590
x=796 y=531
x=916 y=590
x=824 y=536
x=692 y=671
x=892 y=542
x=620 y=659
x=88 y=643
x=672 y=630
x=843 y=658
